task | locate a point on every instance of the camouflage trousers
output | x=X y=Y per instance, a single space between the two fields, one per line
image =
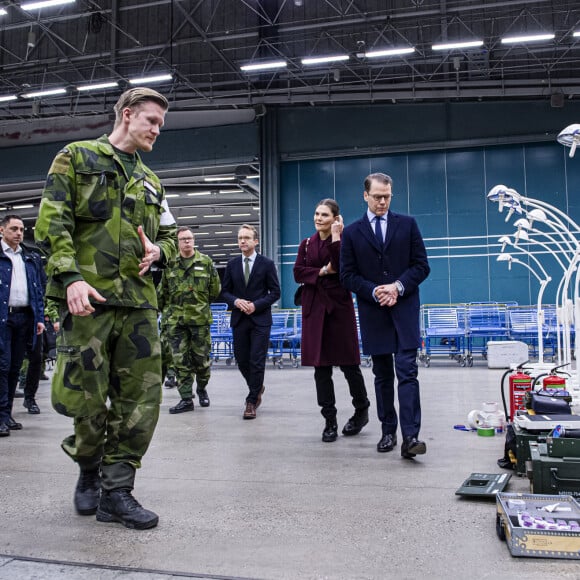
x=190 y=347
x=108 y=377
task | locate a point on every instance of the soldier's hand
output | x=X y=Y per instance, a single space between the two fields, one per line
x=39 y=328
x=77 y=298
x=151 y=252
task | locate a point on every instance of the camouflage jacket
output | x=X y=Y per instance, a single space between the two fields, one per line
x=186 y=292
x=88 y=219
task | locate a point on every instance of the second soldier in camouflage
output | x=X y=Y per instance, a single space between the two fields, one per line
x=187 y=288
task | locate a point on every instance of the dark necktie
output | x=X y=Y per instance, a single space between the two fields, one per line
x=378 y=230
x=246 y=270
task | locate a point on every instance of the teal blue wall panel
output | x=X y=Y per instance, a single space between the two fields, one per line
x=446 y=191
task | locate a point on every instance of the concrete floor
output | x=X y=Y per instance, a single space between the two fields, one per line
x=266 y=498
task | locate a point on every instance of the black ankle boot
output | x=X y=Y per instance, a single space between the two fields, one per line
x=355 y=424
x=330 y=432
x=87 y=492
x=118 y=505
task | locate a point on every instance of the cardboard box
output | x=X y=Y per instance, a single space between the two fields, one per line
x=502 y=354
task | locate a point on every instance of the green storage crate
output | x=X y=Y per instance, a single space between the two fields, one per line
x=554 y=475
x=563 y=446
x=523 y=456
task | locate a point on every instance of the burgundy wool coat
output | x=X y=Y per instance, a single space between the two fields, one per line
x=329 y=335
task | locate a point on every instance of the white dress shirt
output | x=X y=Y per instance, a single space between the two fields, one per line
x=19 y=283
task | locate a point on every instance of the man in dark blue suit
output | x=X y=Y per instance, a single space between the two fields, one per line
x=250 y=287
x=383 y=261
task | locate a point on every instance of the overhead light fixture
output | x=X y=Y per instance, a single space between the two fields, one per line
x=228 y=178
x=187 y=217
x=47 y=93
x=224 y=232
x=3 y=12
x=44 y=4
x=23 y=206
x=167 y=195
x=211 y=245
x=98 y=86
x=199 y=193
x=238 y=190
x=201 y=234
x=457 y=45
x=274 y=64
x=576 y=34
x=389 y=52
x=324 y=59
x=252 y=177
x=527 y=38
x=151 y=79
x=215 y=215
x=240 y=214
x=5 y=98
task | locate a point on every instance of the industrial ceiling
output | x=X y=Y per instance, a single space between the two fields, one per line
x=202 y=44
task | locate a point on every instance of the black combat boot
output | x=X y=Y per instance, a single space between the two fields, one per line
x=118 y=505
x=330 y=432
x=87 y=492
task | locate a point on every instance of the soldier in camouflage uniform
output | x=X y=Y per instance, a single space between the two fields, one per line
x=186 y=290
x=103 y=222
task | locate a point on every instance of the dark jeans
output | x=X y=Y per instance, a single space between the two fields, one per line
x=405 y=366
x=14 y=338
x=34 y=368
x=250 y=349
x=325 y=389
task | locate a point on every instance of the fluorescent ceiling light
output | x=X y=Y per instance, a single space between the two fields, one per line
x=528 y=38
x=224 y=232
x=47 y=93
x=264 y=65
x=323 y=59
x=44 y=4
x=220 y=255
x=171 y=195
x=577 y=33
x=252 y=177
x=229 y=178
x=3 y=12
x=454 y=45
x=187 y=217
x=215 y=215
x=5 y=98
x=389 y=52
x=23 y=206
x=152 y=79
x=230 y=191
x=211 y=245
x=196 y=233
x=240 y=214
x=98 y=86
x=199 y=193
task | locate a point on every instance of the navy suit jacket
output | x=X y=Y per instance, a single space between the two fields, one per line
x=263 y=289
x=365 y=264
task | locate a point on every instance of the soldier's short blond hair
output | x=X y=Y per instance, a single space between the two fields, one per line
x=134 y=97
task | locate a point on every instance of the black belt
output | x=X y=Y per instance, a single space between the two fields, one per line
x=18 y=309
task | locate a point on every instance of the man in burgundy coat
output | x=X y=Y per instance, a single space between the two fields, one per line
x=383 y=261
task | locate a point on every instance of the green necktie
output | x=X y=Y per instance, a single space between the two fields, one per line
x=246 y=270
